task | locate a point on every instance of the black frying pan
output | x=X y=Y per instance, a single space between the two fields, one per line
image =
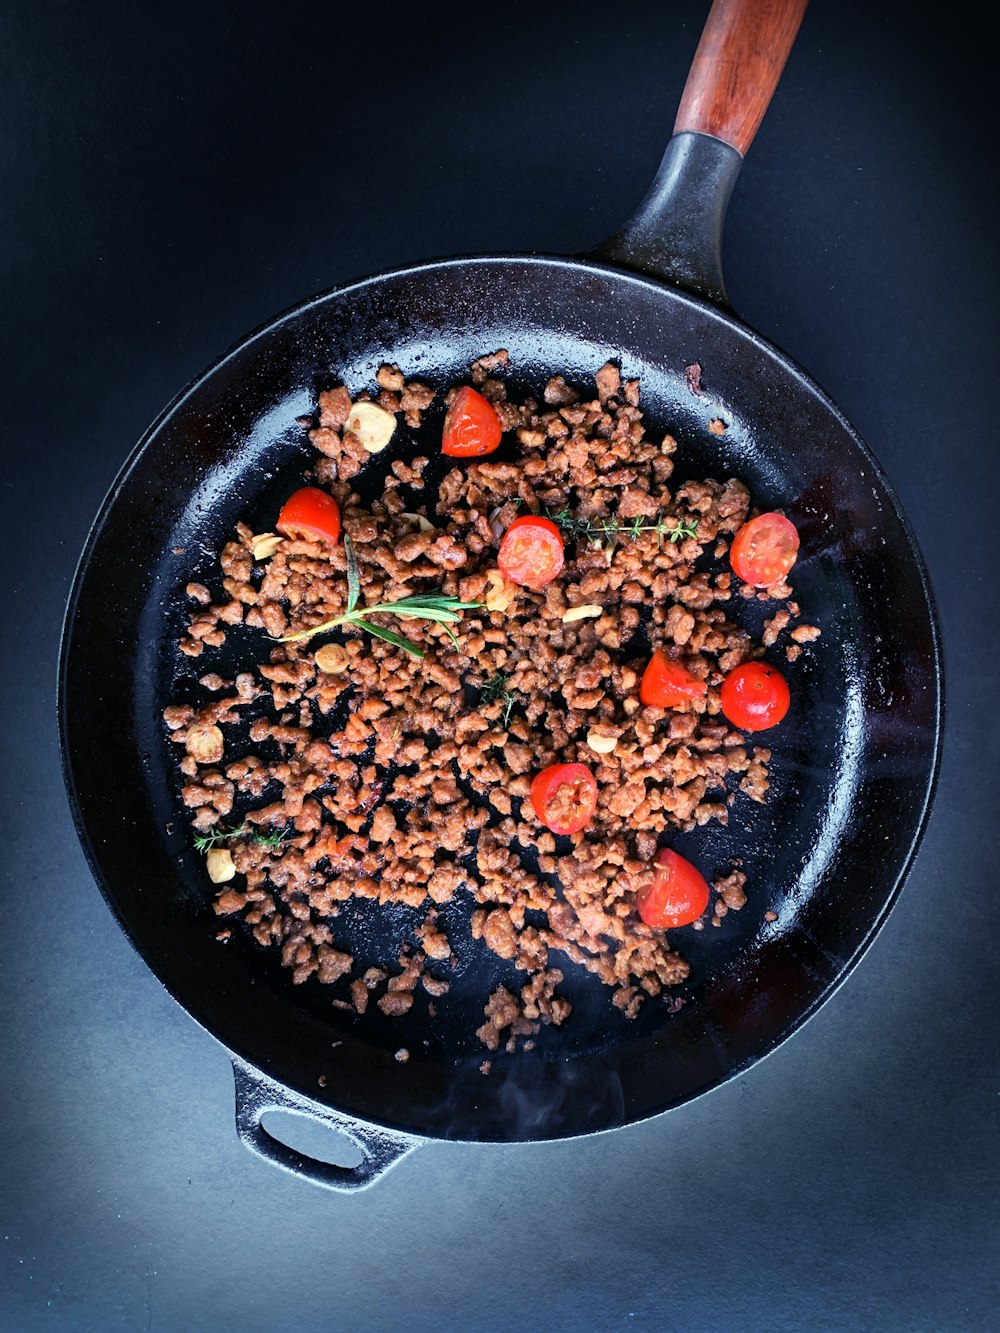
x=853 y=768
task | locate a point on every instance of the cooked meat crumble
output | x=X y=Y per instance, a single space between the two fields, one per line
x=404 y=780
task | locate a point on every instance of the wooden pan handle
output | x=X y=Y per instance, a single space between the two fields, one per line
x=736 y=68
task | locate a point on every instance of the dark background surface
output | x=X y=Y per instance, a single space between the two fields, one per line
x=169 y=178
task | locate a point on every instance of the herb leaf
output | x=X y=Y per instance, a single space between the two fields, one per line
x=272 y=840
x=683 y=530
x=495 y=691
x=494 y=688
x=424 y=606
x=389 y=636
x=353 y=575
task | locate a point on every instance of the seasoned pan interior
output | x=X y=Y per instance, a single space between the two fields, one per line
x=851 y=771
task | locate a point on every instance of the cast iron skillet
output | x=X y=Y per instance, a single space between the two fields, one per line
x=853 y=768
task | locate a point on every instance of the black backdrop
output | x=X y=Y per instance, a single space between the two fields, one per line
x=170 y=176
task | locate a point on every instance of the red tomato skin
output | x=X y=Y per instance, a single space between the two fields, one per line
x=544 y=787
x=764 y=550
x=311 y=514
x=667 y=684
x=755 y=696
x=471 y=426
x=677 y=896
x=532 y=569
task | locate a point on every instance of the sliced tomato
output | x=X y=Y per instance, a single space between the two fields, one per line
x=564 y=797
x=677 y=895
x=471 y=426
x=755 y=696
x=667 y=684
x=764 y=550
x=532 y=551
x=310 y=514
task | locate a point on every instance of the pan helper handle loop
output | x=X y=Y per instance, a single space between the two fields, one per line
x=381 y=1148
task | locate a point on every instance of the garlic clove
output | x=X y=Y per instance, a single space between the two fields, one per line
x=264 y=545
x=220 y=865
x=601 y=744
x=331 y=658
x=424 y=524
x=587 y=612
x=499 y=592
x=372 y=425
x=496 y=527
x=204 y=743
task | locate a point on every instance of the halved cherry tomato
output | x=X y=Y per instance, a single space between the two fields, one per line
x=311 y=514
x=677 y=895
x=666 y=683
x=532 y=551
x=564 y=796
x=755 y=696
x=471 y=426
x=764 y=550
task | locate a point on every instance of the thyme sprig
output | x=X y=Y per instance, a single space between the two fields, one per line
x=204 y=842
x=608 y=532
x=495 y=691
x=435 y=606
x=273 y=840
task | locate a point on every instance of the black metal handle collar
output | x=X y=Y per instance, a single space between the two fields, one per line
x=676 y=232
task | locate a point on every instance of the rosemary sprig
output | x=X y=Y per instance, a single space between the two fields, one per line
x=433 y=606
x=353 y=575
x=204 y=842
x=607 y=532
x=495 y=691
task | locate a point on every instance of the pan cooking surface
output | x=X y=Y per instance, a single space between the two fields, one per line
x=851 y=770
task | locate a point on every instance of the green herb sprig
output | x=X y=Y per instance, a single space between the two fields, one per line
x=272 y=841
x=434 y=606
x=204 y=842
x=495 y=691
x=608 y=532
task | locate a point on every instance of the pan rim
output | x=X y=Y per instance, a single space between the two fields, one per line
x=730 y=322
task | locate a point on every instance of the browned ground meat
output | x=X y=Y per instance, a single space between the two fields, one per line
x=420 y=793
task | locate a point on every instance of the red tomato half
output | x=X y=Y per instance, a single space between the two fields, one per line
x=311 y=514
x=755 y=696
x=532 y=551
x=564 y=796
x=677 y=896
x=764 y=550
x=666 y=683
x=471 y=427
